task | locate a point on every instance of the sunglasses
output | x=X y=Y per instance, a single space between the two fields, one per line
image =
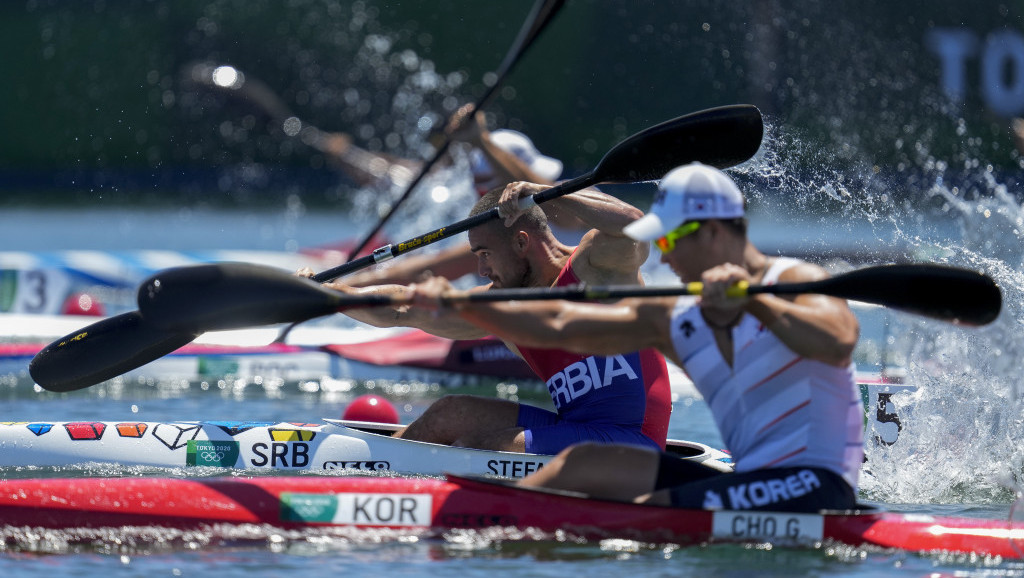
x=668 y=242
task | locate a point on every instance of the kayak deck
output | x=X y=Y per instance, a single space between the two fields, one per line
x=329 y=446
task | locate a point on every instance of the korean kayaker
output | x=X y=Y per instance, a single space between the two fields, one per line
x=623 y=397
x=776 y=372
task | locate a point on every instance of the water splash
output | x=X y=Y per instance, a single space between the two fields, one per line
x=341 y=68
x=961 y=432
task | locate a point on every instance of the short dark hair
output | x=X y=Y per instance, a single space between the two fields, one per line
x=533 y=220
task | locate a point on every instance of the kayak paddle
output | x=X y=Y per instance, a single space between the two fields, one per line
x=102 y=351
x=222 y=296
x=721 y=137
x=541 y=14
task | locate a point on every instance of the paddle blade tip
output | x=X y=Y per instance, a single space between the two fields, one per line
x=46 y=376
x=50 y=371
x=102 y=351
x=986 y=304
x=960 y=296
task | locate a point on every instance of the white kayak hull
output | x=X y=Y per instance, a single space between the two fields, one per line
x=329 y=445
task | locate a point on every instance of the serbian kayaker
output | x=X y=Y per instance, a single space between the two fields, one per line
x=776 y=372
x=622 y=398
x=497 y=158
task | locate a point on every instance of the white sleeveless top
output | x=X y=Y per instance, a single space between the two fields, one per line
x=772 y=407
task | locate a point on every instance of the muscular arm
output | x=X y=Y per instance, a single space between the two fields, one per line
x=507 y=166
x=814 y=326
x=597 y=210
x=586 y=328
x=364 y=167
x=605 y=254
x=440 y=324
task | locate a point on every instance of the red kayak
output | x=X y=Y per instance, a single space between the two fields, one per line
x=429 y=506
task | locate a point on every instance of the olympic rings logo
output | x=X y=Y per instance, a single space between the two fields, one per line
x=210 y=456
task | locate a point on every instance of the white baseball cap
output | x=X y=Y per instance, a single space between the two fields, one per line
x=693 y=192
x=520 y=145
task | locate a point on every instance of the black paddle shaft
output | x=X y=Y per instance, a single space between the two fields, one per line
x=541 y=14
x=230 y=295
x=721 y=137
x=951 y=294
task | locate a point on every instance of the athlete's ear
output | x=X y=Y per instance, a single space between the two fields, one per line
x=520 y=242
x=711 y=226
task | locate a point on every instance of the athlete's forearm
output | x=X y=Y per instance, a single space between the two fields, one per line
x=597 y=210
x=384 y=316
x=579 y=327
x=507 y=167
x=449 y=326
x=816 y=327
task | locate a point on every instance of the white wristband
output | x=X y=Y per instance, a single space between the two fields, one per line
x=527 y=203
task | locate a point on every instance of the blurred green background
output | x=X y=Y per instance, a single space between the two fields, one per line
x=98 y=107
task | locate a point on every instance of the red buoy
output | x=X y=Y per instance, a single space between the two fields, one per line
x=82 y=304
x=371 y=407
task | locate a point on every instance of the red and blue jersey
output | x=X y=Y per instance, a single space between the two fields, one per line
x=626 y=393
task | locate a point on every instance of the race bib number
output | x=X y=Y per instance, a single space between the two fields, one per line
x=768 y=526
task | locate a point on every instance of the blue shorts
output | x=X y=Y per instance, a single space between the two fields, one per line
x=548 y=433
